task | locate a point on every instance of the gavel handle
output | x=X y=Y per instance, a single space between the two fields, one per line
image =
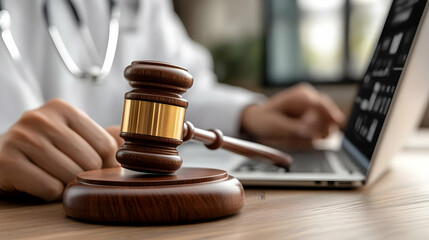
x=214 y=139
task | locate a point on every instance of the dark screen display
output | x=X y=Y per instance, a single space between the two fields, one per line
x=381 y=79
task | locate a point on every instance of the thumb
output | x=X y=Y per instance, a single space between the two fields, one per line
x=114 y=131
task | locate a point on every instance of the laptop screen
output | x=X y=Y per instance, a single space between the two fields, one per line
x=380 y=81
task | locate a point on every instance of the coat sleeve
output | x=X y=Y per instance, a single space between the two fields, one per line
x=211 y=104
x=17 y=95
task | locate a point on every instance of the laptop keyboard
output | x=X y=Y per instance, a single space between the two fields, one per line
x=305 y=162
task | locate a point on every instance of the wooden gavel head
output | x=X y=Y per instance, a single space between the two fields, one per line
x=153 y=117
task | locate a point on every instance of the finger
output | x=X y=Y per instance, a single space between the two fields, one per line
x=114 y=131
x=325 y=131
x=46 y=156
x=104 y=144
x=296 y=100
x=330 y=109
x=76 y=148
x=281 y=126
x=33 y=180
x=318 y=124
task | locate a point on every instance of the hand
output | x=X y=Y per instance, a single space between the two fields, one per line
x=47 y=147
x=293 y=118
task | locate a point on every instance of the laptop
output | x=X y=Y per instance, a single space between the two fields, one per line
x=390 y=102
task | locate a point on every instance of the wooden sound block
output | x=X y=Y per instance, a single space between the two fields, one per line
x=125 y=196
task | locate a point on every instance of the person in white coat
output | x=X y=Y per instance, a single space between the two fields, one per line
x=54 y=125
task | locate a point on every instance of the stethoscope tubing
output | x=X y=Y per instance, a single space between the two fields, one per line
x=95 y=73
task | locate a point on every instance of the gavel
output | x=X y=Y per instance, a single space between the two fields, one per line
x=153 y=122
x=153 y=126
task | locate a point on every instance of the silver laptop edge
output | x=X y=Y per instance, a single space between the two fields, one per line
x=408 y=103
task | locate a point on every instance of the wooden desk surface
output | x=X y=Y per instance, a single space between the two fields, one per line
x=396 y=207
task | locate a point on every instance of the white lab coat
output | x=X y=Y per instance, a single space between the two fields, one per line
x=150 y=30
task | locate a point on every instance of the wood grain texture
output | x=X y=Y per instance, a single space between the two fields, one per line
x=117 y=195
x=214 y=139
x=159 y=74
x=161 y=83
x=158 y=82
x=396 y=207
x=149 y=153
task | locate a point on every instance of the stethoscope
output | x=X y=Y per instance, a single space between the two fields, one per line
x=95 y=72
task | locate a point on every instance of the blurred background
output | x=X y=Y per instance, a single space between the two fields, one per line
x=267 y=45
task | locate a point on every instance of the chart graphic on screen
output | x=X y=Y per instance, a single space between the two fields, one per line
x=384 y=71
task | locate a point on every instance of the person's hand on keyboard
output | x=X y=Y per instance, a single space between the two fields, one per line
x=292 y=118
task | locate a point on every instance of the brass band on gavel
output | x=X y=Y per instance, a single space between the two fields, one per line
x=154 y=119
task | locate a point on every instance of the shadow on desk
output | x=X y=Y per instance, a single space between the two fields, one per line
x=20 y=198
